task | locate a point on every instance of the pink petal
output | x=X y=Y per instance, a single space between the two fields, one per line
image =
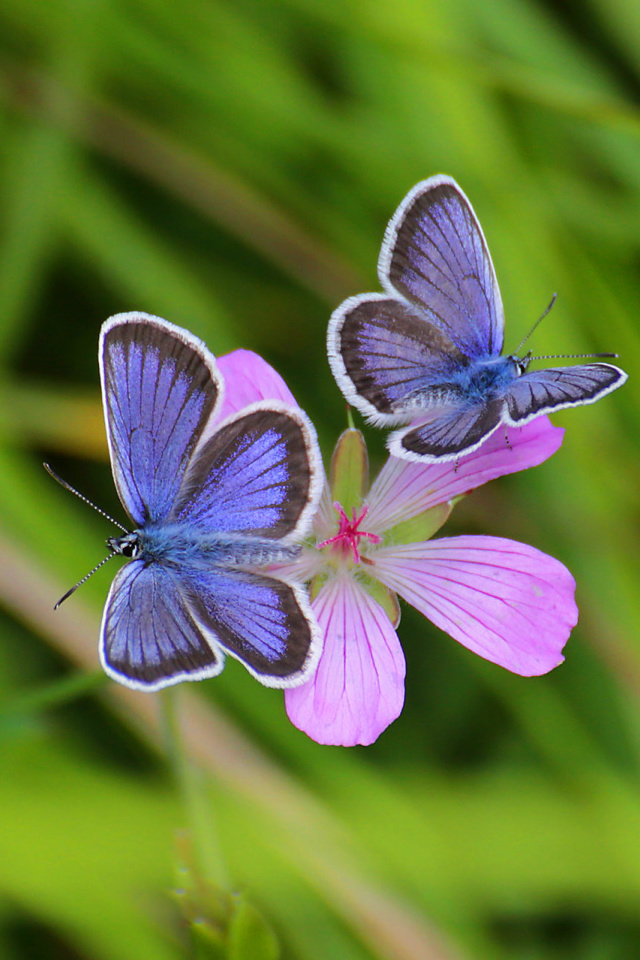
x=506 y=601
x=248 y=379
x=325 y=519
x=403 y=489
x=358 y=687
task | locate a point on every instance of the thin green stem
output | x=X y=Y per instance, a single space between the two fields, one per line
x=196 y=798
x=350 y=420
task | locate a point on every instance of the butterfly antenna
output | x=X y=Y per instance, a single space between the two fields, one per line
x=84 y=579
x=67 y=486
x=536 y=324
x=577 y=356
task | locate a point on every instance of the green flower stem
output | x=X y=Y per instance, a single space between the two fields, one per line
x=196 y=799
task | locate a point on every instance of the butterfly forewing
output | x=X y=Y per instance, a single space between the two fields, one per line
x=160 y=386
x=386 y=355
x=265 y=623
x=542 y=391
x=435 y=256
x=257 y=475
x=149 y=636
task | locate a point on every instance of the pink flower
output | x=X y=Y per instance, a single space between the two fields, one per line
x=505 y=601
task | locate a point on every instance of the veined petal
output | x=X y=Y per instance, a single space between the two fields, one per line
x=248 y=379
x=403 y=489
x=358 y=687
x=506 y=601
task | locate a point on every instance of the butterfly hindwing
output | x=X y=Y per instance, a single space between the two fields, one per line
x=258 y=475
x=541 y=391
x=449 y=436
x=435 y=256
x=264 y=622
x=149 y=637
x=160 y=385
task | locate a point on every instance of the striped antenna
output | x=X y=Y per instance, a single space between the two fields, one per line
x=561 y=356
x=84 y=580
x=67 y=486
x=538 y=321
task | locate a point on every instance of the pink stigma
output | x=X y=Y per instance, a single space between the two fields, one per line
x=348 y=536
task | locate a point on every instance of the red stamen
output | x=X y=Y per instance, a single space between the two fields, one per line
x=348 y=536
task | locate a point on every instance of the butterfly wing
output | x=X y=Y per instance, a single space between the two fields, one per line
x=149 y=637
x=160 y=385
x=435 y=256
x=162 y=625
x=449 y=436
x=388 y=361
x=542 y=391
x=259 y=475
x=264 y=622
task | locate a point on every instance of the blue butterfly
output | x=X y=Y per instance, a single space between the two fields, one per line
x=209 y=506
x=428 y=351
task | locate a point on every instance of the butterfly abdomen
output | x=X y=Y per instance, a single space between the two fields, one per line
x=180 y=545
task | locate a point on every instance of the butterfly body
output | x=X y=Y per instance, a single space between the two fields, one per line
x=469 y=385
x=428 y=351
x=211 y=503
x=176 y=545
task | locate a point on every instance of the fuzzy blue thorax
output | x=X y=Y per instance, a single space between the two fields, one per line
x=483 y=380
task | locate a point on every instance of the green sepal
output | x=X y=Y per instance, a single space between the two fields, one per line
x=385 y=597
x=314 y=587
x=250 y=935
x=205 y=907
x=349 y=472
x=223 y=925
x=421 y=527
x=208 y=942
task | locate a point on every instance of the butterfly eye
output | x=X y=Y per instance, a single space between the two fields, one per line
x=127 y=546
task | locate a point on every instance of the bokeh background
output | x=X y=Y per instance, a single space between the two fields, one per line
x=231 y=167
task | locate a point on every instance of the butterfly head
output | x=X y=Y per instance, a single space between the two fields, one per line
x=127 y=546
x=521 y=363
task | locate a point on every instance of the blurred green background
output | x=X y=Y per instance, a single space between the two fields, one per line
x=231 y=167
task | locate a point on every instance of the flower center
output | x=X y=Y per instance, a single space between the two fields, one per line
x=347 y=539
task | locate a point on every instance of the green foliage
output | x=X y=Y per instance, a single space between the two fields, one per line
x=232 y=167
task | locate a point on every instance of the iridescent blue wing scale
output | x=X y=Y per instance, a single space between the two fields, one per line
x=160 y=385
x=542 y=391
x=149 y=637
x=258 y=475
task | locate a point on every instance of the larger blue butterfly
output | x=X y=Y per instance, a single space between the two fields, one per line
x=209 y=506
x=428 y=351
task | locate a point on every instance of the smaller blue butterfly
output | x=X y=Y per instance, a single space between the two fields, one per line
x=209 y=507
x=428 y=351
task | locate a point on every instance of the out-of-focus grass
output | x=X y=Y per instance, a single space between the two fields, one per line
x=232 y=167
